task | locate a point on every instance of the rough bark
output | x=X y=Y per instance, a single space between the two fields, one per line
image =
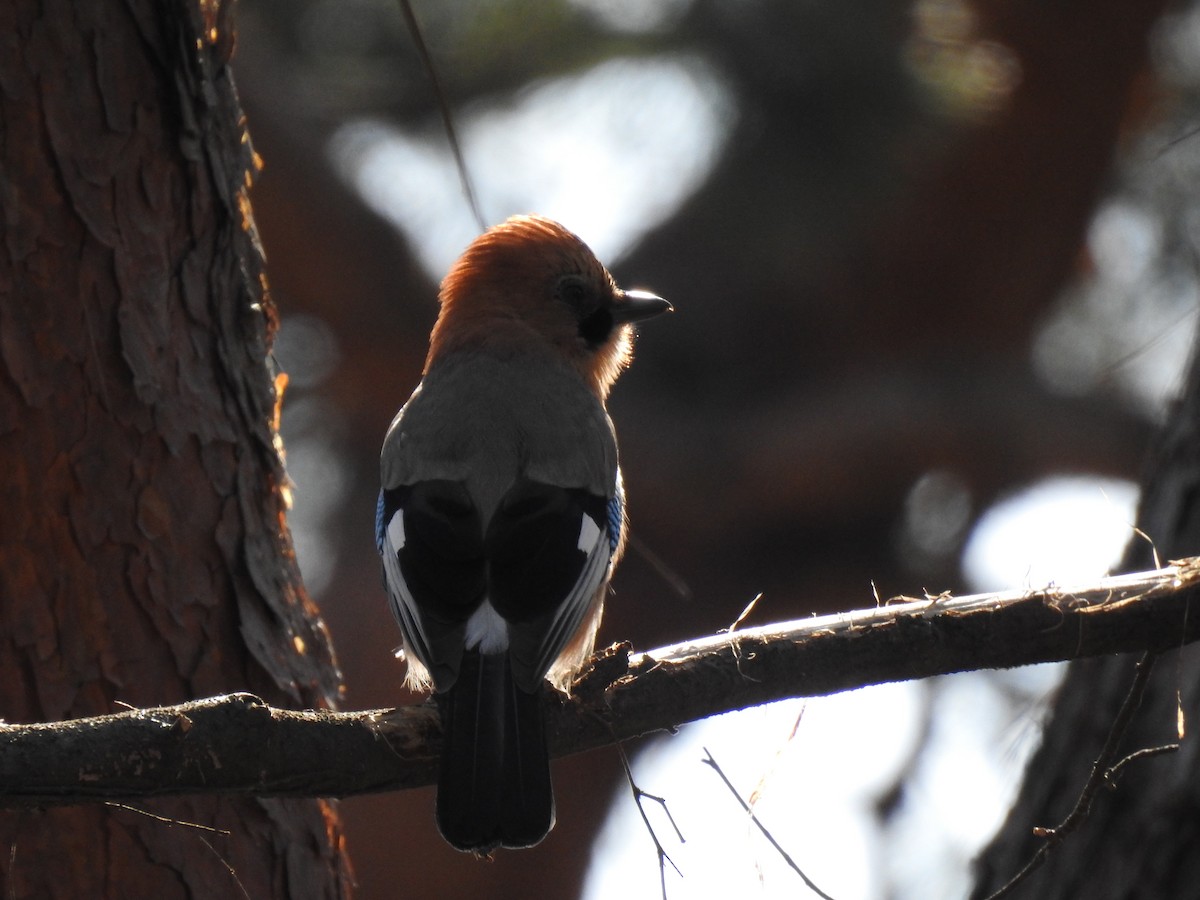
x=144 y=556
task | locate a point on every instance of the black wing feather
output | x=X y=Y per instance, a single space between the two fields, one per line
x=442 y=558
x=532 y=547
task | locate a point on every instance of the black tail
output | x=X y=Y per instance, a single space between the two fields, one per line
x=494 y=789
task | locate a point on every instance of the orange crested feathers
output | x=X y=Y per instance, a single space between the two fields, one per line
x=505 y=291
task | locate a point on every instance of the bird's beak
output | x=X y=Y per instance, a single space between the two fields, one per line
x=633 y=306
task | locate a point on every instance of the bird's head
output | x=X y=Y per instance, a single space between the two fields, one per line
x=529 y=282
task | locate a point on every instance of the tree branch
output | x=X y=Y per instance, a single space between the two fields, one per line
x=238 y=744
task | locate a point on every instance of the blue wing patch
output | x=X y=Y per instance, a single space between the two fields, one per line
x=616 y=520
x=379 y=524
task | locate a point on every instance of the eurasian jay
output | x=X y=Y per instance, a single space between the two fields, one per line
x=502 y=514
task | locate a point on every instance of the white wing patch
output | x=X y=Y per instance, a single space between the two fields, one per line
x=404 y=608
x=588 y=532
x=594 y=542
x=487 y=630
x=395 y=532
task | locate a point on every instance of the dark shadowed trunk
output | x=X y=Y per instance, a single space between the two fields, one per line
x=144 y=555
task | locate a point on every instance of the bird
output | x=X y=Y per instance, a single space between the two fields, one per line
x=501 y=514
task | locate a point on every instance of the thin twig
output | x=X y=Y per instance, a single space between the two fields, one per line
x=676 y=582
x=228 y=867
x=1114 y=771
x=712 y=763
x=168 y=820
x=464 y=175
x=1176 y=141
x=1102 y=767
x=638 y=796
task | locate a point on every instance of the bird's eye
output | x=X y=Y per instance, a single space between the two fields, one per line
x=592 y=314
x=572 y=291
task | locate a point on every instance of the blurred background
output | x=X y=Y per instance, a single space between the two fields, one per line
x=934 y=272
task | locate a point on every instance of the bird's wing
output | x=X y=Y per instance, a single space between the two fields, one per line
x=431 y=541
x=548 y=551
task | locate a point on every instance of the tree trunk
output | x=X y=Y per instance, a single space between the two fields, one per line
x=144 y=555
x=1140 y=840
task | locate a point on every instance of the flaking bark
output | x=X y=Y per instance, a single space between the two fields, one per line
x=143 y=554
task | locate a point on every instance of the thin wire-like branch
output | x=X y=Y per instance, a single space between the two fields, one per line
x=167 y=820
x=638 y=796
x=460 y=162
x=1102 y=769
x=672 y=579
x=712 y=763
x=1115 y=770
x=238 y=744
